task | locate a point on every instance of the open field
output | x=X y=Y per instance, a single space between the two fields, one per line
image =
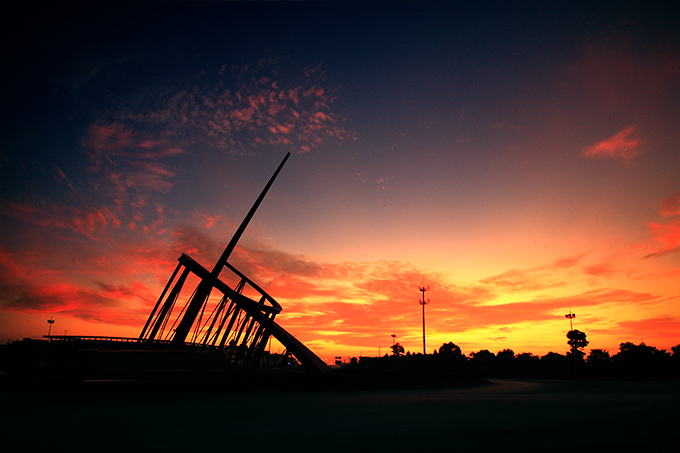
x=507 y=415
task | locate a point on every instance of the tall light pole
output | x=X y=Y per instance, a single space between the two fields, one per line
x=423 y=303
x=49 y=329
x=571 y=317
x=394 y=337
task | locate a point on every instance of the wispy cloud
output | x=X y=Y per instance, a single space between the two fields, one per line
x=670 y=207
x=131 y=165
x=655 y=330
x=666 y=238
x=246 y=109
x=543 y=277
x=602 y=270
x=523 y=280
x=92 y=222
x=107 y=304
x=61 y=178
x=666 y=233
x=624 y=145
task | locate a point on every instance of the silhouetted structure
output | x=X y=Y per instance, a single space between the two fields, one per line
x=198 y=322
x=237 y=326
x=423 y=303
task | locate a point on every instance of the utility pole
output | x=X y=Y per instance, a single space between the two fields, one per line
x=423 y=303
x=394 y=336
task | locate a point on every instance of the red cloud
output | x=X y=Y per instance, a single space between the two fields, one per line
x=131 y=174
x=601 y=270
x=666 y=236
x=670 y=207
x=108 y=139
x=622 y=145
x=566 y=263
x=101 y=306
x=93 y=223
x=257 y=110
x=659 y=330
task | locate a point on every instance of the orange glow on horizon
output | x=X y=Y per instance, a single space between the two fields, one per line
x=351 y=308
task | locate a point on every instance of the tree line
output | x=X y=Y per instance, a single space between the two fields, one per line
x=631 y=362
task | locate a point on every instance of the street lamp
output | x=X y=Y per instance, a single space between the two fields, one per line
x=423 y=303
x=49 y=329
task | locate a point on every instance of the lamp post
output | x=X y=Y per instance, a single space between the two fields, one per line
x=571 y=317
x=423 y=303
x=49 y=329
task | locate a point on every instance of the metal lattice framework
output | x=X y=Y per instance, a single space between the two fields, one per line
x=234 y=321
x=234 y=324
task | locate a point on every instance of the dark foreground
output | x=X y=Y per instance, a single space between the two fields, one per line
x=522 y=416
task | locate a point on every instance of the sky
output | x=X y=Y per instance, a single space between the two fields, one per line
x=519 y=159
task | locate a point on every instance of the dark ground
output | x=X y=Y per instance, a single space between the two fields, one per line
x=505 y=416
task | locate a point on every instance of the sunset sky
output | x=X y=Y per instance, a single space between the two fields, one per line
x=521 y=159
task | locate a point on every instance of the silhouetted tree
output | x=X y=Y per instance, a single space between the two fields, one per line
x=527 y=357
x=640 y=352
x=506 y=354
x=449 y=357
x=642 y=360
x=554 y=364
x=527 y=364
x=483 y=360
x=504 y=364
x=637 y=361
x=599 y=362
x=676 y=359
x=450 y=349
x=598 y=356
x=483 y=355
x=577 y=341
